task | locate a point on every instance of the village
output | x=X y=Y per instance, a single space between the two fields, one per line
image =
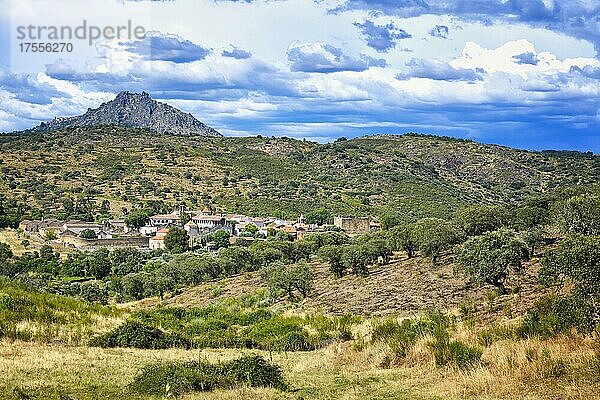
x=200 y=227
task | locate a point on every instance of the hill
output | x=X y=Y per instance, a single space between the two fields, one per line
x=405 y=287
x=135 y=110
x=89 y=172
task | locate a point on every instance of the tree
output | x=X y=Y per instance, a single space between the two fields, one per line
x=236 y=259
x=74 y=265
x=303 y=249
x=290 y=278
x=99 y=263
x=94 y=292
x=184 y=218
x=88 y=234
x=136 y=219
x=477 y=220
x=403 y=237
x=220 y=238
x=264 y=253
x=580 y=214
x=251 y=229
x=177 y=240
x=5 y=253
x=195 y=268
x=126 y=260
x=163 y=280
x=435 y=235
x=530 y=217
x=376 y=248
x=50 y=235
x=577 y=260
x=356 y=258
x=532 y=237
x=133 y=286
x=321 y=216
x=389 y=220
x=490 y=258
x=333 y=255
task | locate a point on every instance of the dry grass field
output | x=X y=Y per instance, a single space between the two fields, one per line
x=560 y=368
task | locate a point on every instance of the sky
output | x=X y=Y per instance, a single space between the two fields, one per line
x=520 y=73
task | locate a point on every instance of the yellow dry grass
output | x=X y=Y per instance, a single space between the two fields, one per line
x=560 y=368
x=14 y=238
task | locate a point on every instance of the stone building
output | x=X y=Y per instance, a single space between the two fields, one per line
x=353 y=225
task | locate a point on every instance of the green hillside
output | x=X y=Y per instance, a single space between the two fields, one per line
x=73 y=171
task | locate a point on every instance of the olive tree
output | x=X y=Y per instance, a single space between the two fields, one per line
x=434 y=235
x=88 y=234
x=577 y=260
x=579 y=214
x=356 y=258
x=403 y=238
x=491 y=258
x=288 y=278
x=333 y=255
x=477 y=220
x=136 y=219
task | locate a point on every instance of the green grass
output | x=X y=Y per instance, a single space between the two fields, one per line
x=27 y=314
x=234 y=323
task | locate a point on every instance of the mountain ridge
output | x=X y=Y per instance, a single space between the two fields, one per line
x=133 y=110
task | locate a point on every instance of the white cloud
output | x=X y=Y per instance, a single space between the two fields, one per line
x=502 y=59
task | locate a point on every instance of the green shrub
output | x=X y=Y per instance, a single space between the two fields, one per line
x=279 y=334
x=175 y=378
x=141 y=336
x=495 y=333
x=552 y=315
x=401 y=336
x=455 y=352
x=228 y=338
x=554 y=368
x=55 y=317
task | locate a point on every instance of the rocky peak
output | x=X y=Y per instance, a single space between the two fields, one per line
x=137 y=110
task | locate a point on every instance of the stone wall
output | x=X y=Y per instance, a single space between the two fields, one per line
x=353 y=225
x=81 y=243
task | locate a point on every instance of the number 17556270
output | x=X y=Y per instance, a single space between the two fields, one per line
x=40 y=47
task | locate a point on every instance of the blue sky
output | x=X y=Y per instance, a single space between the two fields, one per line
x=522 y=73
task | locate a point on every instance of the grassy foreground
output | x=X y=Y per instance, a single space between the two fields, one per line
x=559 y=368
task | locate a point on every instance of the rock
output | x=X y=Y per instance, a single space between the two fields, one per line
x=134 y=110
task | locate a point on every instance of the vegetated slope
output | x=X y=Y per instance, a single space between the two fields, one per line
x=28 y=314
x=405 y=287
x=75 y=169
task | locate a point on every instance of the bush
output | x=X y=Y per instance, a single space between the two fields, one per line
x=175 y=378
x=141 y=336
x=579 y=215
x=88 y=234
x=177 y=240
x=94 y=292
x=495 y=333
x=456 y=353
x=576 y=261
x=434 y=235
x=278 y=334
x=401 y=336
x=553 y=315
x=477 y=220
